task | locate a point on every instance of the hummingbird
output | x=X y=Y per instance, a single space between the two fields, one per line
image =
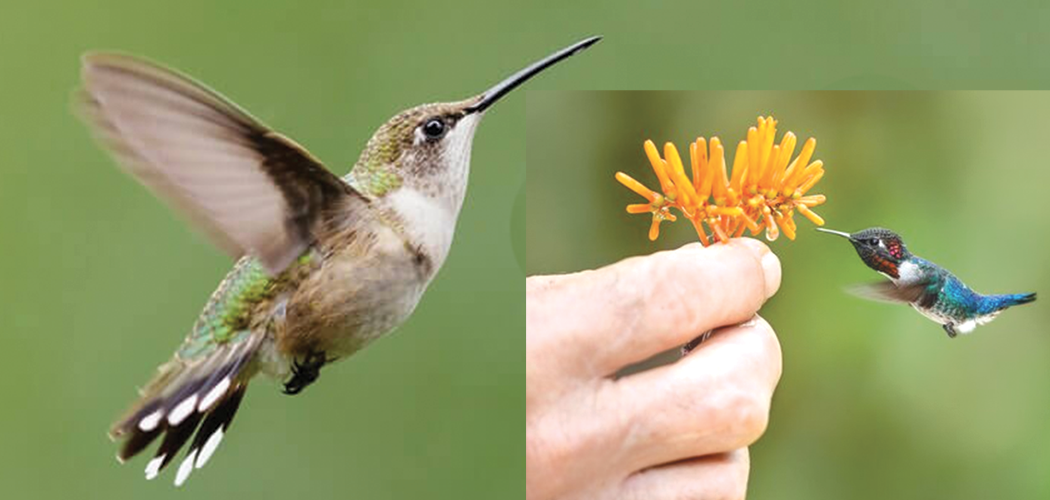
x=931 y=289
x=325 y=264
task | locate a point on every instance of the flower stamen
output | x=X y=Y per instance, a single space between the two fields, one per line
x=765 y=189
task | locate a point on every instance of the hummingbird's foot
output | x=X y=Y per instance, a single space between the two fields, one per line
x=950 y=328
x=305 y=373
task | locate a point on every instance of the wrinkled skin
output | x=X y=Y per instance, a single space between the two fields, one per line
x=679 y=431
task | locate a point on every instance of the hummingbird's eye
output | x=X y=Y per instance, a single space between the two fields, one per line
x=434 y=128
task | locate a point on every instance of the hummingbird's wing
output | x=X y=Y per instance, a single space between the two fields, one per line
x=887 y=291
x=248 y=188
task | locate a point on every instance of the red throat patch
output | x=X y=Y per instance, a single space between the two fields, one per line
x=887 y=266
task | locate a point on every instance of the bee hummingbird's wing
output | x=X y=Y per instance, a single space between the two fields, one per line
x=887 y=291
x=248 y=188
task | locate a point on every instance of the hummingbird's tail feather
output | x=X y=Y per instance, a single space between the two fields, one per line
x=184 y=393
x=995 y=303
x=1023 y=298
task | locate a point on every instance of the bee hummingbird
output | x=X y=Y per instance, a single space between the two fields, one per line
x=326 y=265
x=929 y=288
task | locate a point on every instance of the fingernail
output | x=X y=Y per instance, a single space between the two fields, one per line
x=749 y=323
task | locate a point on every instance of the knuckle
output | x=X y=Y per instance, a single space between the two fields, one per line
x=745 y=415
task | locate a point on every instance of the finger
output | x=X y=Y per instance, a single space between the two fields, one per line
x=598 y=321
x=537 y=284
x=723 y=477
x=714 y=400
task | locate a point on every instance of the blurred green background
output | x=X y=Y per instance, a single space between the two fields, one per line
x=875 y=401
x=100 y=281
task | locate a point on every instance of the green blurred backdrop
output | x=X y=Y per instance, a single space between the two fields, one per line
x=101 y=282
x=875 y=401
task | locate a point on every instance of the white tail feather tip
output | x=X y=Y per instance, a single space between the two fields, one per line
x=182 y=410
x=153 y=467
x=185 y=468
x=214 y=394
x=149 y=422
x=209 y=447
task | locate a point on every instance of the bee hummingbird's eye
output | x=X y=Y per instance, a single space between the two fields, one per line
x=434 y=128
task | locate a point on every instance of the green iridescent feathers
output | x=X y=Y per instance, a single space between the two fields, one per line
x=374 y=173
x=228 y=314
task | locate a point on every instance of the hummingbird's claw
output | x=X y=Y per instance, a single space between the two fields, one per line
x=950 y=328
x=305 y=373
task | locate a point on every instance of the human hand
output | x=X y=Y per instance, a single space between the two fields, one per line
x=676 y=431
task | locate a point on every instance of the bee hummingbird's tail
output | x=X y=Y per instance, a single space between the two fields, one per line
x=996 y=303
x=187 y=395
x=1022 y=298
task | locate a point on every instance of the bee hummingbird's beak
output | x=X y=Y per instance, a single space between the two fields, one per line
x=840 y=233
x=490 y=96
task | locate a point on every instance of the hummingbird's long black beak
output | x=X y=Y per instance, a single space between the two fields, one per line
x=510 y=83
x=832 y=231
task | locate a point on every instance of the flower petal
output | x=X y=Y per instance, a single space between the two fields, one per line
x=635 y=186
x=654 y=229
x=659 y=167
x=640 y=208
x=811 y=215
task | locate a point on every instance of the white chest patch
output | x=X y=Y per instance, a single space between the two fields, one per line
x=908 y=272
x=428 y=222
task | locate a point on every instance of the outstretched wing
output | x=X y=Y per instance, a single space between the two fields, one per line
x=887 y=291
x=248 y=188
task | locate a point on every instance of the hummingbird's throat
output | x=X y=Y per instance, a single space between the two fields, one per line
x=881 y=264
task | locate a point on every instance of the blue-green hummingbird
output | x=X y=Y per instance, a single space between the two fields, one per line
x=326 y=264
x=930 y=289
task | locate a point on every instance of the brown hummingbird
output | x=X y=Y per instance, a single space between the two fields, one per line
x=325 y=264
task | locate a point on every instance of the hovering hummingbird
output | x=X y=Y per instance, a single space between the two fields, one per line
x=929 y=288
x=325 y=265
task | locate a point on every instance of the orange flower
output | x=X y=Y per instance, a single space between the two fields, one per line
x=767 y=186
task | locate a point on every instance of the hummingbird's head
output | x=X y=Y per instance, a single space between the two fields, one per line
x=427 y=148
x=879 y=248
